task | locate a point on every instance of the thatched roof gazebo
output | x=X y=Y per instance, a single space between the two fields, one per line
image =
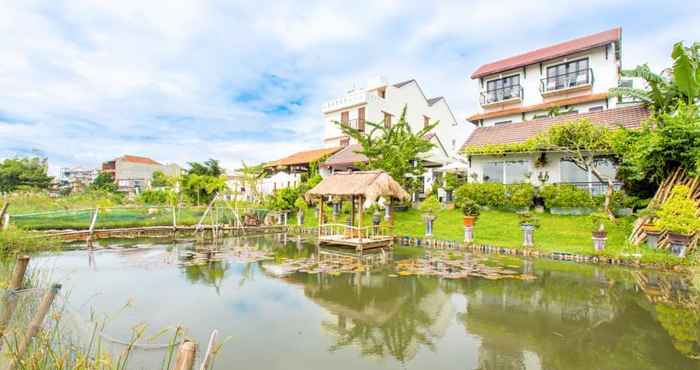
x=358 y=187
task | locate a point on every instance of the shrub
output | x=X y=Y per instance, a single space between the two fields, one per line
x=620 y=199
x=565 y=196
x=160 y=196
x=300 y=204
x=430 y=205
x=520 y=195
x=678 y=213
x=470 y=208
x=528 y=218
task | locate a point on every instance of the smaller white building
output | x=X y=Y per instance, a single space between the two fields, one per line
x=288 y=171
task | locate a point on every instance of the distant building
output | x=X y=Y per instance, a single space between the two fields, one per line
x=76 y=178
x=134 y=174
x=287 y=172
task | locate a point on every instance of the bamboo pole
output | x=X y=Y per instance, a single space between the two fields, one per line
x=3 y=212
x=9 y=300
x=207 y=362
x=36 y=324
x=185 y=355
x=320 y=215
x=174 y=219
x=91 y=231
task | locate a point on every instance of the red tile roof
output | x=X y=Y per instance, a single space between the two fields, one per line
x=303 y=157
x=346 y=157
x=628 y=117
x=137 y=159
x=543 y=106
x=550 y=52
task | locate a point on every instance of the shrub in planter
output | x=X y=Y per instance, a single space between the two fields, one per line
x=652 y=232
x=678 y=216
x=301 y=207
x=471 y=211
x=528 y=223
x=566 y=199
x=599 y=235
x=623 y=204
x=430 y=206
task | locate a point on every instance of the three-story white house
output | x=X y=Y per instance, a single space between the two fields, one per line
x=523 y=95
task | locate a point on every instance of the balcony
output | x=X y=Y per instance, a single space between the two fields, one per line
x=566 y=83
x=501 y=96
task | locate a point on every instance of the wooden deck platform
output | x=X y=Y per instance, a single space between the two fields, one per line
x=357 y=243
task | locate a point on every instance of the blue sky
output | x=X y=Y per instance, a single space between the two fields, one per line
x=85 y=81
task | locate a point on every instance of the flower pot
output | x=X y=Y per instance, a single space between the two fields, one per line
x=599 y=239
x=429 y=218
x=469 y=220
x=679 y=243
x=652 y=235
x=600 y=234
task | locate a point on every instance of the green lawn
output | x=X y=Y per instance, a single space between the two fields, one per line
x=571 y=234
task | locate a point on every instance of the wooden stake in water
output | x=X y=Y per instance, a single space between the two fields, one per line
x=185 y=355
x=9 y=300
x=206 y=363
x=35 y=325
x=93 y=222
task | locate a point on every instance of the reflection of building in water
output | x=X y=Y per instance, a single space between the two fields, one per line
x=384 y=316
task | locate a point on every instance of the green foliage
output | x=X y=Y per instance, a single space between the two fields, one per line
x=528 y=218
x=203 y=180
x=300 y=204
x=452 y=181
x=159 y=179
x=678 y=213
x=621 y=199
x=430 y=205
x=104 y=182
x=24 y=173
x=16 y=240
x=160 y=196
x=565 y=196
x=470 y=208
x=394 y=149
x=209 y=168
x=598 y=221
x=284 y=199
x=686 y=70
x=652 y=153
x=494 y=195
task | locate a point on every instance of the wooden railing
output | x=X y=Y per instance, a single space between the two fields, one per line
x=365 y=232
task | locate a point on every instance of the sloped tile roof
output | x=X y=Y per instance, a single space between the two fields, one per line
x=303 y=157
x=346 y=157
x=628 y=117
x=137 y=159
x=543 y=106
x=550 y=52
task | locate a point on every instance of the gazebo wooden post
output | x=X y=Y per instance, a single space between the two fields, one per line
x=320 y=215
x=359 y=209
x=352 y=215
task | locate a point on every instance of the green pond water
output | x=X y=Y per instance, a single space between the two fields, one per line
x=570 y=317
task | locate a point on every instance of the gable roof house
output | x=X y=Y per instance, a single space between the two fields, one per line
x=134 y=173
x=287 y=172
x=523 y=95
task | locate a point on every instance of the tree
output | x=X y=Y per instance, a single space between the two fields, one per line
x=209 y=168
x=159 y=180
x=250 y=178
x=395 y=149
x=650 y=154
x=104 y=182
x=203 y=180
x=582 y=141
x=24 y=172
x=670 y=87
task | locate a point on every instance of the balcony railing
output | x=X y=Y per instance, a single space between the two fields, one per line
x=501 y=94
x=595 y=188
x=566 y=81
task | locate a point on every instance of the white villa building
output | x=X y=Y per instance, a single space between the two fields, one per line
x=523 y=95
x=382 y=103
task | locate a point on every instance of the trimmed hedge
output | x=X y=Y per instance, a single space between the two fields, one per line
x=497 y=196
x=566 y=196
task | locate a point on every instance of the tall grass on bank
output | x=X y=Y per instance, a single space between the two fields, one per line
x=58 y=346
x=15 y=240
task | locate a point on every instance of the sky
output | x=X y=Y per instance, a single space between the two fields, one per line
x=85 y=81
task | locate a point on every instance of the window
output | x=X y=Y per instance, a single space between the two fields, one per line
x=541 y=115
x=570 y=172
x=387 y=120
x=503 y=122
x=361 y=119
x=426 y=121
x=566 y=75
x=503 y=89
x=506 y=172
x=597 y=108
x=344 y=118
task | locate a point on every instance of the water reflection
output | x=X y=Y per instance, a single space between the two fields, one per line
x=569 y=317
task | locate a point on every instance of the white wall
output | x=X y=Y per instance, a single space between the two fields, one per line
x=279 y=180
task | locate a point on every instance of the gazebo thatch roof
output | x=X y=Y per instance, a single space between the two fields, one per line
x=369 y=184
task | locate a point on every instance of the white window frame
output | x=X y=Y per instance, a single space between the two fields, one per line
x=505 y=174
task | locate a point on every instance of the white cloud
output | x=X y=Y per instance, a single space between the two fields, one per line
x=85 y=81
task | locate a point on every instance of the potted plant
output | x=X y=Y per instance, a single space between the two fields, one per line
x=471 y=211
x=599 y=235
x=651 y=230
x=678 y=216
x=528 y=223
x=430 y=206
x=301 y=207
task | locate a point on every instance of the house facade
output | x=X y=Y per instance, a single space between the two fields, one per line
x=287 y=172
x=133 y=174
x=76 y=178
x=524 y=95
x=382 y=103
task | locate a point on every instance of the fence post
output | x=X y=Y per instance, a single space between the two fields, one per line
x=9 y=300
x=207 y=361
x=3 y=212
x=36 y=324
x=174 y=220
x=185 y=355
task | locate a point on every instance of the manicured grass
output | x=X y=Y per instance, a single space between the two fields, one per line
x=569 y=234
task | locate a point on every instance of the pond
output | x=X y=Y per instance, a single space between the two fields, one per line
x=566 y=316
